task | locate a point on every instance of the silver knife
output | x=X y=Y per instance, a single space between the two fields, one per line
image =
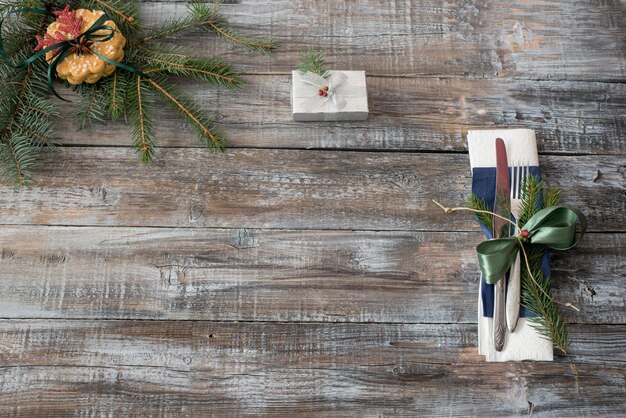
x=501 y=228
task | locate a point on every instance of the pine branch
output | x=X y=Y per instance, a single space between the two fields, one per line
x=537 y=298
x=91 y=106
x=139 y=114
x=476 y=203
x=175 y=60
x=139 y=105
x=205 y=16
x=536 y=295
x=552 y=197
x=313 y=61
x=532 y=189
x=191 y=112
x=26 y=115
x=115 y=91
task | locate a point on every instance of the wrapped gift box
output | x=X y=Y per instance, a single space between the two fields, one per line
x=344 y=98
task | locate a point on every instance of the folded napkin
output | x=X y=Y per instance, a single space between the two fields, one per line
x=525 y=343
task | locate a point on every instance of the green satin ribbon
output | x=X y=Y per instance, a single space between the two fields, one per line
x=62 y=49
x=553 y=227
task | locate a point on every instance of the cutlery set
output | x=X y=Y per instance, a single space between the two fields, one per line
x=507 y=202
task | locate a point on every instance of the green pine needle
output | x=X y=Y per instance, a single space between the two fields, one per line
x=476 y=203
x=92 y=106
x=115 y=91
x=536 y=296
x=177 y=61
x=191 y=111
x=27 y=114
x=552 y=197
x=532 y=189
x=314 y=62
x=140 y=106
x=205 y=16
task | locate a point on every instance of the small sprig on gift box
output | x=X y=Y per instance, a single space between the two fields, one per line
x=539 y=209
x=28 y=114
x=313 y=61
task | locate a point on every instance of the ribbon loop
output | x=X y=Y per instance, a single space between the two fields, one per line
x=554 y=227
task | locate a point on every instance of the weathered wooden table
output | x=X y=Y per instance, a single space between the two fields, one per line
x=305 y=271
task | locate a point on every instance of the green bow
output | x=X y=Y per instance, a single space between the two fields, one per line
x=554 y=227
x=63 y=48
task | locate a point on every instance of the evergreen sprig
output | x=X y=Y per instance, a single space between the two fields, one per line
x=175 y=60
x=205 y=16
x=190 y=110
x=27 y=113
x=482 y=217
x=314 y=62
x=140 y=101
x=536 y=295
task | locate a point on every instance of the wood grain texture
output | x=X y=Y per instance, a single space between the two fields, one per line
x=422 y=114
x=204 y=368
x=295 y=276
x=306 y=272
x=286 y=189
x=556 y=39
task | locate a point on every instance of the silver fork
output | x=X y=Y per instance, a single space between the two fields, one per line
x=518 y=176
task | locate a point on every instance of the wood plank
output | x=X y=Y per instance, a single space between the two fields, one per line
x=295 y=276
x=285 y=189
x=557 y=39
x=154 y=368
x=406 y=114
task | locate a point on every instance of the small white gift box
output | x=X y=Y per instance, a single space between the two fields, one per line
x=340 y=96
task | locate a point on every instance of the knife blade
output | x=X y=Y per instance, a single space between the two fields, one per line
x=501 y=228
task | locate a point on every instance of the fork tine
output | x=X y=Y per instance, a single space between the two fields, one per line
x=515 y=179
x=518 y=181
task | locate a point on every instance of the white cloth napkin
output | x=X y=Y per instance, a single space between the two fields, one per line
x=525 y=343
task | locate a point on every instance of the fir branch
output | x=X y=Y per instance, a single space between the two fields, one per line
x=115 y=90
x=139 y=114
x=483 y=217
x=536 y=297
x=313 y=61
x=532 y=189
x=552 y=197
x=25 y=113
x=174 y=60
x=91 y=106
x=205 y=16
x=191 y=112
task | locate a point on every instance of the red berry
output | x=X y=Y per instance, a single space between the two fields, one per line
x=325 y=94
x=326 y=88
x=321 y=92
x=525 y=233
